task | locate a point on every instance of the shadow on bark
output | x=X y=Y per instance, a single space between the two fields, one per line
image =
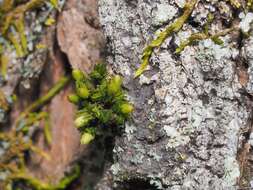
x=140 y=184
x=97 y=158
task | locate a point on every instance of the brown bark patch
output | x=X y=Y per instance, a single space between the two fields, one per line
x=79 y=35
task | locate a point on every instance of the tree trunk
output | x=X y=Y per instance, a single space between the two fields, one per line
x=193 y=111
x=192 y=123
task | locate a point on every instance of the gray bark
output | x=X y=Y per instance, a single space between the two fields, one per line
x=190 y=109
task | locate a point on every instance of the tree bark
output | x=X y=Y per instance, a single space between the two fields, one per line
x=192 y=123
x=193 y=111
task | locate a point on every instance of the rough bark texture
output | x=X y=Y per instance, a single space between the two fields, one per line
x=27 y=69
x=192 y=125
x=79 y=34
x=190 y=109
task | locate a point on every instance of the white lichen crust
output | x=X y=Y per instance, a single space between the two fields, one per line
x=189 y=109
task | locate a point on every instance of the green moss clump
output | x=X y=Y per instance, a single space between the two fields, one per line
x=100 y=100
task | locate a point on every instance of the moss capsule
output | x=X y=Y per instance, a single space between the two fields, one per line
x=77 y=74
x=126 y=108
x=102 y=102
x=114 y=85
x=82 y=120
x=73 y=98
x=83 y=92
x=87 y=138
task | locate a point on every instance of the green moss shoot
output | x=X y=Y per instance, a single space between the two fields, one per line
x=101 y=102
x=157 y=42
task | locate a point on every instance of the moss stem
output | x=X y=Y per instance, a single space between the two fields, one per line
x=174 y=27
x=203 y=36
x=44 y=99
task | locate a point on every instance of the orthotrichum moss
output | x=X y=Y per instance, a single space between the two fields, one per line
x=101 y=102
